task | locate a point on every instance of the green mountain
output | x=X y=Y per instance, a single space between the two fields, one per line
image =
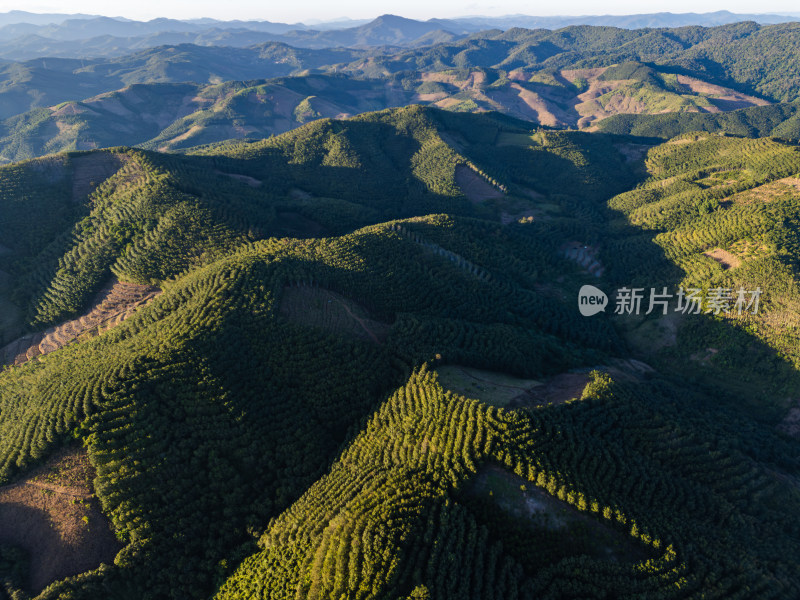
x=310 y=397
x=43 y=82
x=649 y=82
x=166 y=116
x=28 y=36
x=753 y=59
x=779 y=120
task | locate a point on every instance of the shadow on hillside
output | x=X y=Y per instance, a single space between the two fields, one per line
x=715 y=355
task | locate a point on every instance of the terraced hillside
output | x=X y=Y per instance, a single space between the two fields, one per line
x=273 y=425
x=725 y=211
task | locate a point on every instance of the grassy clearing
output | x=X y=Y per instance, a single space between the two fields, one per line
x=528 y=514
x=493 y=388
x=517 y=139
x=318 y=307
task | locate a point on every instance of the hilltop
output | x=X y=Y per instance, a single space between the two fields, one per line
x=276 y=414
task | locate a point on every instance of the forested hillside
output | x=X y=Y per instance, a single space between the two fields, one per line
x=179 y=95
x=273 y=419
x=755 y=59
x=166 y=116
x=778 y=120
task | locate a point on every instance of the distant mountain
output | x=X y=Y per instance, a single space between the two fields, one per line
x=761 y=60
x=386 y=30
x=94 y=27
x=664 y=19
x=89 y=36
x=103 y=37
x=22 y=16
x=174 y=116
x=173 y=97
x=366 y=375
x=46 y=82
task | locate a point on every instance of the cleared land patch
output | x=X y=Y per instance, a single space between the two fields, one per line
x=91 y=170
x=517 y=139
x=585 y=256
x=318 y=307
x=633 y=152
x=529 y=517
x=724 y=258
x=491 y=387
x=251 y=181
x=791 y=423
x=788 y=186
x=111 y=306
x=556 y=390
x=727 y=98
x=475 y=187
x=54 y=516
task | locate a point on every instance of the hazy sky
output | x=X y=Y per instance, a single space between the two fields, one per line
x=307 y=10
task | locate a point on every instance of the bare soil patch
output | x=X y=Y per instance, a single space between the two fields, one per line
x=723 y=257
x=112 y=305
x=689 y=139
x=632 y=152
x=64 y=127
x=588 y=74
x=432 y=97
x=705 y=357
x=54 y=516
x=530 y=104
x=719 y=93
x=111 y=103
x=767 y=192
x=70 y=108
x=324 y=309
x=592 y=110
x=455 y=140
x=180 y=138
x=649 y=335
x=556 y=390
x=475 y=187
x=91 y=170
x=448 y=102
x=557 y=524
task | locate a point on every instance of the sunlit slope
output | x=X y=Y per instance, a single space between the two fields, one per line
x=388 y=520
x=175 y=116
x=266 y=427
x=72 y=221
x=726 y=212
x=211 y=397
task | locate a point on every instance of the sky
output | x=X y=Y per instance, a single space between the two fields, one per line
x=310 y=10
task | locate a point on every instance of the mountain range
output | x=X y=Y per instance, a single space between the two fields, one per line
x=174 y=97
x=348 y=361
x=437 y=312
x=23 y=37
